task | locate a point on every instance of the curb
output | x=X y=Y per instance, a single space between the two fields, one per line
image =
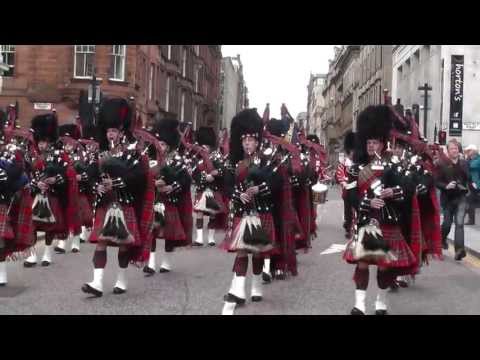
x=469 y=251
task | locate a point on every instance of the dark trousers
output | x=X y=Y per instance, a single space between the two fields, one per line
x=454 y=210
x=473 y=201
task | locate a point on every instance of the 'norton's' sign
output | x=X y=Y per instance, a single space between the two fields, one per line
x=456 y=96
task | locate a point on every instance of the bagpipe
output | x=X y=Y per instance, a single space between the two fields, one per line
x=212 y=161
x=55 y=166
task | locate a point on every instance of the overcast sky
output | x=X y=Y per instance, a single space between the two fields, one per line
x=280 y=73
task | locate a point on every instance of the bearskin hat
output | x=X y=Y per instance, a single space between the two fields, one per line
x=313 y=138
x=278 y=127
x=246 y=122
x=166 y=130
x=45 y=127
x=115 y=113
x=375 y=122
x=206 y=136
x=70 y=130
x=349 y=142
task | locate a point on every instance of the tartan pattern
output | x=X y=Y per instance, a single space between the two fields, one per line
x=73 y=221
x=304 y=205
x=185 y=208
x=21 y=216
x=430 y=217
x=130 y=220
x=59 y=229
x=6 y=231
x=416 y=232
x=145 y=214
x=173 y=229
x=404 y=262
x=85 y=210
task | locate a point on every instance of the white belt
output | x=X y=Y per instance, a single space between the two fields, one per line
x=351 y=185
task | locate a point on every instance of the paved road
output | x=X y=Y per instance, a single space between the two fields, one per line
x=202 y=276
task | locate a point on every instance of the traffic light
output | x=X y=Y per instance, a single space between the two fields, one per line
x=442 y=137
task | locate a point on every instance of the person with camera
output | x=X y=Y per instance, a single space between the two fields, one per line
x=452 y=180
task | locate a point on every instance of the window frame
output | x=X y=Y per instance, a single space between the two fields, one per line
x=75 y=52
x=7 y=49
x=123 y=57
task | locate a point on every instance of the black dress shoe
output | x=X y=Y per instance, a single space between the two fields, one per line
x=45 y=263
x=211 y=244
x=3 y=284
x=75 y=250
x=267 y=278
x=196 y=244
x=163 y=270
x=257 y=298
x=460 y=254
x=381 y=312
x=90 y=290
x=356 y=311
x=148 y=270
x=402 y=283
x=118 y=291
x=29 y=264
x=82 y=241
x=59 y=250
x=445 y=245
x=233 y=299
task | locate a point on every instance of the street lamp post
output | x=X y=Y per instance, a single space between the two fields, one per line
x=425 y=88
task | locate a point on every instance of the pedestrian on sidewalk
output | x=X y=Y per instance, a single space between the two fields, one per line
x=452 y=180
x=473 y=198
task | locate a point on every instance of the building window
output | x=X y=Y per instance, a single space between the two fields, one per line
x=84 y=61
x=118 y=62
x=184 y=63
x=197 y=73
x=195 y=112
x=167 y=95
x=182 y=107
x=150 y=82
x=7 y=53
x=169 y=52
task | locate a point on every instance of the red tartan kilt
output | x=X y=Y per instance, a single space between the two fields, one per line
x=173 y=230
x=6 y=230
x=85 y=210
x=405 y=261
x=268 y=226
x=218 y=198
x=130 y=220
x=59 y=228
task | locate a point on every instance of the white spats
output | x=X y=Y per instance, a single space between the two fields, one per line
x=360 y=296
x=211 y=236
x=381 y=301
x=75 y=243
x=121 y=279
x=61 y=244
x=97 y=282
x=32 y=259
x=47 y=254
x=228 y=308
x=257 y=287
x=167 y=261
x=85 y=234
x=199 y=239
x=3 y=273
x=266 y=266
x=238 y=287
x=152 y=264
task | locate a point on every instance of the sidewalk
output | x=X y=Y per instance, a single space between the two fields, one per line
x=472 y=236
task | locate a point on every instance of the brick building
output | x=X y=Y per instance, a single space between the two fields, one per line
x=178 y=80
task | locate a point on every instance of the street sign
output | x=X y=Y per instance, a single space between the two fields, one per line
x=456 y=96
x=42 y=106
